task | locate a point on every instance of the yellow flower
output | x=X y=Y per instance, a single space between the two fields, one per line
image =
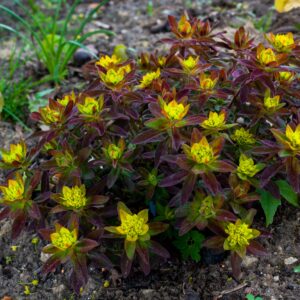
x=184 y=26
x=63 y=238
x=17 y=153
x=91 y=106
x=239 y=236
x=271 y=102
x=207 y=82
x=214 y=120
x=189 y=64
x=114 y=152
x=202 y=152
x=14 y=190
x=285 y=76
x=286 y=5
x=74 y=197
x=247 y=168
x=174 y=110
x=281 y=42
x=108 y=62
x=265 y=56
x=14 y=248
x=207 y=209
x=243 y=137
x=66 y=99
x=293 y=137
x=106 y=284
x=149 y=78
x=133 y=226
x=49 y=115
x=112 y=77
x=34 y=282
x=161 y=60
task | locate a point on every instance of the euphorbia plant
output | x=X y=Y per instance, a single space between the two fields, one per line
x=195 y=137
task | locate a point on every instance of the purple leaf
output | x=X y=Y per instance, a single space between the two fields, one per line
x=173 y=179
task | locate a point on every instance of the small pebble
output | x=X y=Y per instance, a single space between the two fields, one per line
x=290 y=260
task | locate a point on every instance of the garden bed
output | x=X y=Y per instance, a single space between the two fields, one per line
x=271 y=277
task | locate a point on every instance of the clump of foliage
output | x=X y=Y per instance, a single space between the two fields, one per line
x=161 y=152
x=51 y=35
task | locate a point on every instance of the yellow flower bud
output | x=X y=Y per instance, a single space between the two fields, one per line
x=214 y=120
x=74 y=197
x=63 y=238
x=17 y=153
x=243 y=137
x=174 y=110
x=149 y=78
x=202 y=152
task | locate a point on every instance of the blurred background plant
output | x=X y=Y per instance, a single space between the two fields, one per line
x=51 y=35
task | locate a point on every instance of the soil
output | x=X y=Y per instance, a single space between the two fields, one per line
x=271 y=277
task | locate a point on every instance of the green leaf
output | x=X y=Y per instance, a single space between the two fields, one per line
x=287 y=192
x=130 y=249
x=297 y=269
x=1 y=102
x=269 y=205
x=190 y=244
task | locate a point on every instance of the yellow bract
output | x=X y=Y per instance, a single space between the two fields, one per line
x=91 y=106
x=14 y=190
x=207 y=209
x=133 y=226
x=293 y=137
x=239 y=236
x=282 y=42
x=108 y=62
x=265 y=56
x=243 y=137
x=184 y=26
x=285 y=76
x=114 y=152
x=174 y=110
x=214 y=120
x=74 y=197
x=49 y=115
x=246 y=167
x=149 y=78
x=206 y=82
x=286 y=5
x=66 y=99
x=202 y=152
x=271 y=102
x=17 y=153
x=189 y=63
x=63 y=238
x=113 y=77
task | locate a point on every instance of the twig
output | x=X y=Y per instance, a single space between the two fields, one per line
x=228 y=291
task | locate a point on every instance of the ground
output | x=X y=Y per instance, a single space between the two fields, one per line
x=271 y=277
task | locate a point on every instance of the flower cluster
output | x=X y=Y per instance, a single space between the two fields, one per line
x=169 y=141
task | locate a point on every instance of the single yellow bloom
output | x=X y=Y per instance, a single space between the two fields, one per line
x=17 y=153
x=239 y=236
x=14 y=190
x=114 y=152
x=112 y=77
x=174 y=110
x=184 y=26
x=281 y=42
x=74 y=197
x=243 y=137
x=265 y=56
x=293 y=137
x=133 y=225
x=149 y=78
x=206 y=82
x=189 y=63
x=161 y=60
x=214 y=120
x=271 y=102
x=91 y=106
x=286 y=5
x=108 y=62
x=246 y=167
x=14 y=248
x=106 y=284
x=207 y=209
x=202 y=152
x=285 y=76
x=63 y=238
x=66 y=99
x=49 y=115
x=34 y=282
